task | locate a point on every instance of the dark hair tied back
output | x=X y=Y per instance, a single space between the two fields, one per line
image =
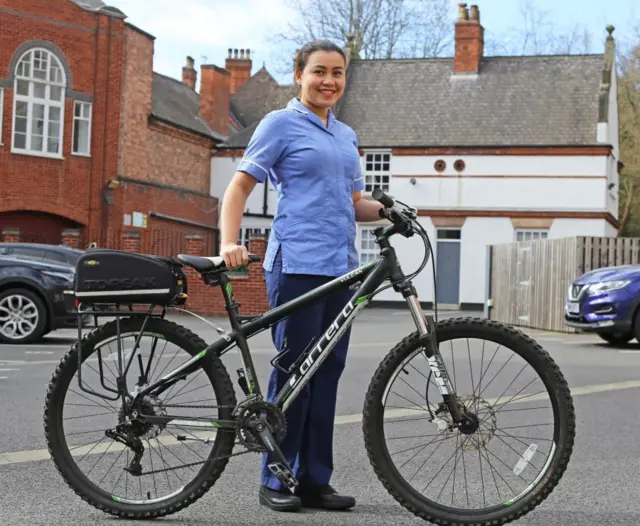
x=303 y=54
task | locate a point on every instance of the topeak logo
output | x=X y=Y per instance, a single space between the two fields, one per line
x=119 y=283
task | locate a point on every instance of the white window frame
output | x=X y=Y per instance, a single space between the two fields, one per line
x=534 y=234
x=369 y=175
x=54 y=67
x=371 y=252
x=89 y=120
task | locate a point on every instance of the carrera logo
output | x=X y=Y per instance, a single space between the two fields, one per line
x=119 y=284
x=322 y=345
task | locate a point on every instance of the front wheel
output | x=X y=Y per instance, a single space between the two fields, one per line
x=488 y=473
x=616 y=338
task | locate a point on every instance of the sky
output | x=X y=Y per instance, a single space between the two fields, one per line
x=205 y=29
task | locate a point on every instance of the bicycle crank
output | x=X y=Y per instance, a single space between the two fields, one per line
x=279 y=467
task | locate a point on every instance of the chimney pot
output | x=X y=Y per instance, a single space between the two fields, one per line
x=469 y=41
x=463 y=14
x=189 y=75
x=239 y=66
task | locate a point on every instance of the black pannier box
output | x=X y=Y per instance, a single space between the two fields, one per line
x=113 y=276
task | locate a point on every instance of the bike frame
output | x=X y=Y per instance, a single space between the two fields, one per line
x=368 y=278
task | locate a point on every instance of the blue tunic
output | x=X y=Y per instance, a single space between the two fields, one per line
x=315 y=169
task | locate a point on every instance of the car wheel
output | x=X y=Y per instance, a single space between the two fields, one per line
x=616 y=338
x=23 y=316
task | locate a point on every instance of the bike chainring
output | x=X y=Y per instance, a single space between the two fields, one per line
x=246 y=411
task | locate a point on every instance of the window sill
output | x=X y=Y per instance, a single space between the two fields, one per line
x=85 y=155
x=37 y=154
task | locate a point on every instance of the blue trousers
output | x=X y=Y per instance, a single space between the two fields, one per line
x=308 y=445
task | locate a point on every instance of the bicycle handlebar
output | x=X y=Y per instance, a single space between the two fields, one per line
x=383 y=198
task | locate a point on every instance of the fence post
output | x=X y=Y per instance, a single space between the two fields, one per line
x=487 y=281
x=131 y=241
x=71 y=237
x=11 y=235
x=194 y=244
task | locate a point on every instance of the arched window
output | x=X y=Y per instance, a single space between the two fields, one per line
x=38 y=113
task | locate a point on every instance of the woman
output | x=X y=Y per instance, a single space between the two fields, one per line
x=313 y=161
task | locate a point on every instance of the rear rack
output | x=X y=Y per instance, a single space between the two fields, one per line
x=117 y=311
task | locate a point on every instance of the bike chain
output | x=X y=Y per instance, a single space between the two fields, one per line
x=198 y=463
x=204 y=461
x=200 y=406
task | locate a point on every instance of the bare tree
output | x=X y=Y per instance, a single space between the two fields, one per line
x=629 y=114
x=538 y=35
x=378 y=28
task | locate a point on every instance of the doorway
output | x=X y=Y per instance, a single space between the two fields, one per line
x=448 y=267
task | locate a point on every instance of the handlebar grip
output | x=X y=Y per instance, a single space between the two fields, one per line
x=383 y=198
x=253 y=258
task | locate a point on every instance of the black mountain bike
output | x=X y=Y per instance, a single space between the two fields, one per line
x=169 y=457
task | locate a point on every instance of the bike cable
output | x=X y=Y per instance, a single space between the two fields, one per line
x=428 y=250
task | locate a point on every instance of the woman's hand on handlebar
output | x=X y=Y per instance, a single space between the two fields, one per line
x=234 y=255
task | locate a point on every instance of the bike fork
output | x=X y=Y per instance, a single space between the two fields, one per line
x=427 y=330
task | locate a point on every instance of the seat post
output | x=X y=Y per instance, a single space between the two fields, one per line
x=231 y=306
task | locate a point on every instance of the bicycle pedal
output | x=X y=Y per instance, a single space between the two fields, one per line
x=283 y=475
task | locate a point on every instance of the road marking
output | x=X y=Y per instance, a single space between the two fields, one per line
x=3 y=378
x=5 y=370
x=19 y=457
x=38 y=352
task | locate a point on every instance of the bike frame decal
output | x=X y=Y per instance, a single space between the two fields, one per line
x=318 y=354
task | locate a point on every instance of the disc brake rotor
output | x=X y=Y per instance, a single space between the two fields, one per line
x=486 y=415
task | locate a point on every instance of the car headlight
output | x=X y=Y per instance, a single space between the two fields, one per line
x=607 y=286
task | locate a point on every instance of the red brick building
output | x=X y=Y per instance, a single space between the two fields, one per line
x=93 y=143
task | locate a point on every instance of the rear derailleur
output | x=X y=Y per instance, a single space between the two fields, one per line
x=133 y=443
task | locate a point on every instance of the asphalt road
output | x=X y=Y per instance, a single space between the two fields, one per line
x=599 y=488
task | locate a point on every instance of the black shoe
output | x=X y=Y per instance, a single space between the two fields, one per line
x=324 y=497
x=279 y=500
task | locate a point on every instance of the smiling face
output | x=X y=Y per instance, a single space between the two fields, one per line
x=322 y=80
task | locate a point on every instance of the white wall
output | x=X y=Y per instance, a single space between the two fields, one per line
x=502 y=165
x=503 y=182
x=578 y=227
x=610 y=231
x=511 y=193
x=222 y=171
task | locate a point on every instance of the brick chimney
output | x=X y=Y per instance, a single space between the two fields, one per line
x=238 y=63
x=469 y=41
x=189 y=75
x=215 y=97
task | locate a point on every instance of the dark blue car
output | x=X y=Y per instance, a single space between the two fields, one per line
x=605 y=301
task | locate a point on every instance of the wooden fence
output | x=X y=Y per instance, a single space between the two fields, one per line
x=528 y=281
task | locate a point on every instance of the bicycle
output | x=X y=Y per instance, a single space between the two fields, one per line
x=259 y=426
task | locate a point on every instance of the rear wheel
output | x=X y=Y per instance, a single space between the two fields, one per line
x=173 y=473
x=502 y=466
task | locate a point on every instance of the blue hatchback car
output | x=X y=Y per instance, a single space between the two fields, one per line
x=605 y=301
